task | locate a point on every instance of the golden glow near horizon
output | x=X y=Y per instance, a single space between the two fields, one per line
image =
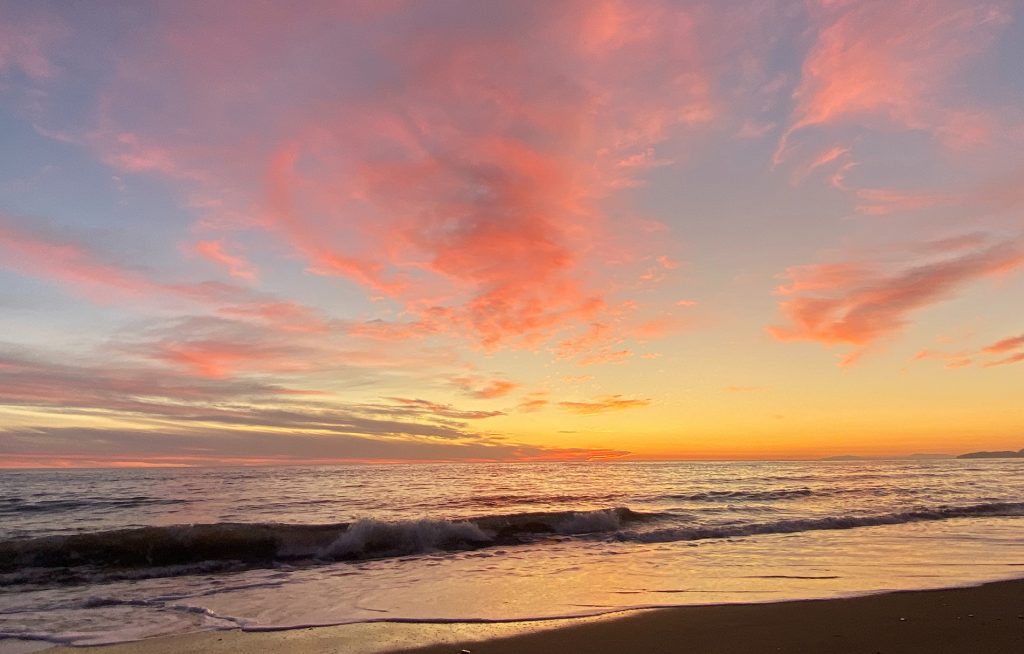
x=510 y=231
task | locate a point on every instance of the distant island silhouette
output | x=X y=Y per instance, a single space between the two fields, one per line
x=1000 y=454
x=997 y=454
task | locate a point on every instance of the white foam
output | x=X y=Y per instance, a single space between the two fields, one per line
x=380 y=538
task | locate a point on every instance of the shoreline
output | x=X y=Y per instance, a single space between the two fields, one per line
x=984 y=618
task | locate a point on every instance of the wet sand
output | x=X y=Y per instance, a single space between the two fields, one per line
x=987 y=618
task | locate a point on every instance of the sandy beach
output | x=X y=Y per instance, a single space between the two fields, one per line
x=987 y=618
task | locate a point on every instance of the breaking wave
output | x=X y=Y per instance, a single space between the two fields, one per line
x=169 y=551
x=204 y=548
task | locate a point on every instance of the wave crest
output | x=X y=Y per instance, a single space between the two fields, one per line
x=189 y=549
x=673 y=534
x=373 y=538
x=123 y=552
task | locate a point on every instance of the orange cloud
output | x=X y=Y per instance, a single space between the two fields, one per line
x=605 y=356
x=860 y=303
x=951 y=360
x=1005 y=345
x=531 y=405
x=235 y=265
x=484 y=389
x=1015 y=358
x=528 y=406
x=603 y=404
x=444 y=410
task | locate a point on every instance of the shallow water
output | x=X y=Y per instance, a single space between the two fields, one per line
x=108 y=555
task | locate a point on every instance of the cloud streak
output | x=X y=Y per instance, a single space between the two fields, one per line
x=604 y=404
x=1005 y=345
x=860 y=303
x=73 y=446
x=236 y=266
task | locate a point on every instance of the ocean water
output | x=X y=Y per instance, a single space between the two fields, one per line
x=99 y=556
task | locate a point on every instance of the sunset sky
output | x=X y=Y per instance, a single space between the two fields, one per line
x=254 y=232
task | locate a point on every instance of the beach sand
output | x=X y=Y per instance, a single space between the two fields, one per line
x=986 y=619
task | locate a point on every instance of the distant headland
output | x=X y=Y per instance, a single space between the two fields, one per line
x=998 y=454
x=1001 y=454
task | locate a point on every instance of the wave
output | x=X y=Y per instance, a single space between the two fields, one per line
x=16 y=505
x=175 y=549
x=726 y=495
x=208 y=548
x=673 y=534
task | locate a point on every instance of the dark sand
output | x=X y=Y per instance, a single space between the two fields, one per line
x=983 y=620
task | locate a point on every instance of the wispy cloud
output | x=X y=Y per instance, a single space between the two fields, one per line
x=1012 y=347
x=873 y=61
x=216 y=252
x=484 y=389
x=531 y=405
x=950 y=360
x=137 y=391
x=604 y=404
x=859 y=303
x=1005 y=345
x=1005 y=361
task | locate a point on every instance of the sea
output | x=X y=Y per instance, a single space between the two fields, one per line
x=102 y=556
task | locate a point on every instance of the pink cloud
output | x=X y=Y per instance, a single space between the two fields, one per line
x=861 y=303
x=882 y=201
x=601 y=343
x=26 y=45
x=78 y=268
x=440 y=190
x=831 y=155
x=66 y=262
x=667 y=262
x=754 y=130
x=219 y=360
x=235 y=265
x=284 y=315
x=894 y=62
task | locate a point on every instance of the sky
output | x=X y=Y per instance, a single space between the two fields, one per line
x=276 y=232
